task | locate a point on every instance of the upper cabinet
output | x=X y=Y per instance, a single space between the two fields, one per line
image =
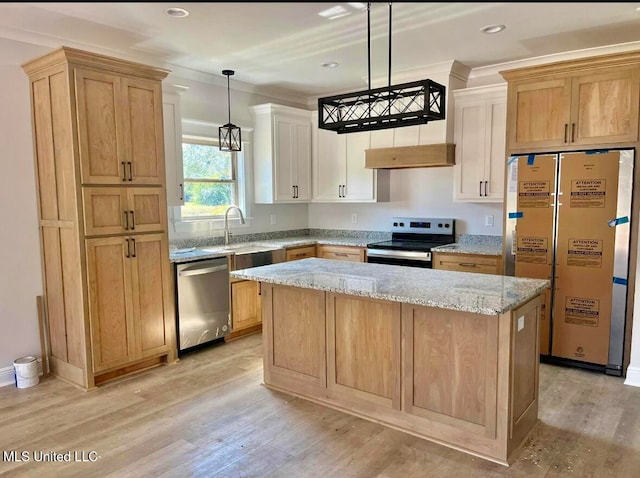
x=339 y=173
x=172 y=119
x=479 y=135
x=120 y=128
x=282 y=154
x=582 y=102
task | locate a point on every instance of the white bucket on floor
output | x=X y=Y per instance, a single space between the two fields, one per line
x=26 y=369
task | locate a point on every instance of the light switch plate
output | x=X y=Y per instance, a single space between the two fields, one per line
x=520 y=323
x=488 y=221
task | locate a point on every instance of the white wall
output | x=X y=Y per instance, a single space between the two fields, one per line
x=420 y=192
x=21 y=277
x=633 y=371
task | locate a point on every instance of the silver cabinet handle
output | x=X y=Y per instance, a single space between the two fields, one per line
x=573 y=132
x=130 y=170
x=293 y=193
x=134 y=248
x=124 y=170
x=126 y=221
x=480 y=189
x=467 y=264
x=339 y=190
x=127 y=254
x=566 y=127
x=133 y=221
x=181 y=192
x=486 y=188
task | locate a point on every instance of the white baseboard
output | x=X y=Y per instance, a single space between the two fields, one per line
x=633 y=376
x=7 y=375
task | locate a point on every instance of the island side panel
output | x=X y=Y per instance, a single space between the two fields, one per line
x=294 y=333
x=363 y=343
x=524 y=371
x=450 y=376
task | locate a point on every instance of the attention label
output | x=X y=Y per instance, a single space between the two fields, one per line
x=581 y=311
x=532 y=250
x=587 y=193
x=533 y=194
x=584 y=253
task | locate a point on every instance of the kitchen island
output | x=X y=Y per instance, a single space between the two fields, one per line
x=451 y=357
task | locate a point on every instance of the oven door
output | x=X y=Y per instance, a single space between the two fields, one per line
x=399 y=258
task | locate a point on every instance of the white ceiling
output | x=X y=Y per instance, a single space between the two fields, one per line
x=282 y=45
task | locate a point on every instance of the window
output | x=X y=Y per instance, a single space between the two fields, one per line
x=210 y=180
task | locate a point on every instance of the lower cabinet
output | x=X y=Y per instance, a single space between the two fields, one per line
x=128 y=290
x=341 y=253
x=296 y=253
x=483 y=264
x=246 y=308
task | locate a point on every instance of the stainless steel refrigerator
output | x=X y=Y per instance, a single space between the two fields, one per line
x=568 y=219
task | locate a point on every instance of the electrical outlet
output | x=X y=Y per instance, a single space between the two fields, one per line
x=488 y=221
x=354 y=218
x=273 y=219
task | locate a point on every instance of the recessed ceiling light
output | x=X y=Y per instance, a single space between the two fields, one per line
x=334 y=12
x=331 y=64
x=177 y=12
x=492 y=28
x=357 y=5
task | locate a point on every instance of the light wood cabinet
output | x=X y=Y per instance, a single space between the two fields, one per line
x=341 y=253
x=120 y=128
x=480 y=139
x=282 y=154
x=245 y=304
x=339 y=173
x=127 y=304
x=103 y=214
x=109 y=210
x=576 y=103
x=483 y=264
x=296 y=253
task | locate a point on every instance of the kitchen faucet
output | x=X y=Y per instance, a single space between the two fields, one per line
x=227 y=234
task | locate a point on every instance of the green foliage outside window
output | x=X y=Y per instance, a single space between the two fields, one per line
x=209 y=180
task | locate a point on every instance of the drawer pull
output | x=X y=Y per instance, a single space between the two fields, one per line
x=467 y=264
x=341 y=254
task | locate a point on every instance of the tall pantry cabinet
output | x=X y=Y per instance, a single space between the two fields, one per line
x=98 y=141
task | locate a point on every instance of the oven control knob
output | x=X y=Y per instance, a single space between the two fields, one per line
x=395 y=224
x=440 y=225
x=402 y=224
x=446 y=225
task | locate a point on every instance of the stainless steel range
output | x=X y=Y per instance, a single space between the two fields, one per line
x=411 y=241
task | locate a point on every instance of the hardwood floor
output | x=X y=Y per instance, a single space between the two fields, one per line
x=209 y=416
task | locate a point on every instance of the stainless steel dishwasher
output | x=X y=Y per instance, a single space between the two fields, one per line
x=203 y=301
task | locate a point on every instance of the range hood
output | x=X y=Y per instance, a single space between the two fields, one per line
x=424 y=156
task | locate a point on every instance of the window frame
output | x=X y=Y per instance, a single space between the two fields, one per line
x=237 y=181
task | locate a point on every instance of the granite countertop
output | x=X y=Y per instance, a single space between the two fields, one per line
x=210 y=252
x=464 y=291
x=481 y=249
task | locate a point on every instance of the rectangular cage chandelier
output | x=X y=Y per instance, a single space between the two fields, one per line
x=406 y=104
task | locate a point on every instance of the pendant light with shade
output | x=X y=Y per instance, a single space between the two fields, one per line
x=229 y=134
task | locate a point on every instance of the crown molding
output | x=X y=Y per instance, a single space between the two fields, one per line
x=494 y=70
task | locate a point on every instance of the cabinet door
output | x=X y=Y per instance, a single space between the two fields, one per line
x=150 y=292
x=469 y=132
x=110 y=304
x=302 y=164
x=99 y=116
x=245 y=303
x=172 y=120
x=284 y=153
x=328 y=168
x=539 y=113
x=360 y=182
x=146 y=209
x=105 y=211
x=142 y=130
x=495 y=154
x=604 y=107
